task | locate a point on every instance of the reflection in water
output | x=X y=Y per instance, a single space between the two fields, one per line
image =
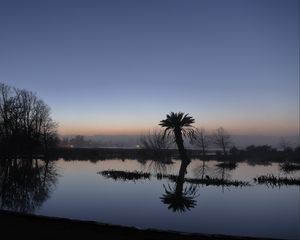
x=83 y=194
x=180 y=198
x=134 y=176
x=157 y=167
x=201 y=170
x=26 y=183
x=222 y=170
x=287 y=167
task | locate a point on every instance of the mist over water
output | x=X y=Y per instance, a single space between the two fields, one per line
x=238 y=140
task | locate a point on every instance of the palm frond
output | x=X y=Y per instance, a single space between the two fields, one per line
x=180 y=201
x=178 y=121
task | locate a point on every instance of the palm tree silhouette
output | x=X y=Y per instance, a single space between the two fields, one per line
x=177 y=197
x=180 y=125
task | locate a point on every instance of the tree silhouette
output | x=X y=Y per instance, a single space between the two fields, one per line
x=177 y=197
x=25 y=121
x=202 y=140
x=25 y=184
x=179 y=125
x=154 y=140
x=222 y=139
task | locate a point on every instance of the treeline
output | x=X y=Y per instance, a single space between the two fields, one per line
x=200 y=139
x=266 y=153
x=25 y=122
x=263 y=155
x=80 y=141
x=218 y=143
x=99 y=154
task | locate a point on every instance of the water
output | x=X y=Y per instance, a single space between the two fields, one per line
x=74 y=189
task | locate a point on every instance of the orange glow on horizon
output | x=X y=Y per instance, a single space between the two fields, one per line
x=236 y=128
x=99 y=131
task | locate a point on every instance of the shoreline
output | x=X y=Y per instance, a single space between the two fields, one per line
x=36 y=226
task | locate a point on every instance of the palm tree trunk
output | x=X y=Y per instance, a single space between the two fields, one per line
x=203 y=151
x=180 y=178
x=181 y=149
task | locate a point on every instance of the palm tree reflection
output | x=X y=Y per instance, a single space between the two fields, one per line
x=25 y=184
x=180 y=198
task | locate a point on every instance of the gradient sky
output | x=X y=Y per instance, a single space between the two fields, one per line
x=117 y=67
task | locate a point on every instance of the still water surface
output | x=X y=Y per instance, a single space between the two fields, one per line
x=74 y=189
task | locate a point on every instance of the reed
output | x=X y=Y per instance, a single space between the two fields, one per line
x=272 y=180
x=289 y=167
x=124 y=175
x=132 y=176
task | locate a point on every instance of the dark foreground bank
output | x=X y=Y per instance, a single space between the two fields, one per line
x=40 y=227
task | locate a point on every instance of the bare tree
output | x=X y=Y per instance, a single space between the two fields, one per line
x=284 y=144
x=25 y=119
x=202 y=140
x=222 y=139
x=155 y=140
x=6 y=102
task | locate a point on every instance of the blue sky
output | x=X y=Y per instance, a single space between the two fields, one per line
x=117 y=67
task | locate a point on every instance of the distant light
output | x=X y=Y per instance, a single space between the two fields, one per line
x=138 y=146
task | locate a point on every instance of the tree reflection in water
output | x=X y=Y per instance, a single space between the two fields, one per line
x=180 y=198
x=202 y=170
x=157 y=166
x=25 y=184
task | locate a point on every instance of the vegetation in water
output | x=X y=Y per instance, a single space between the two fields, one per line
x=135 y=175
x=276 y=181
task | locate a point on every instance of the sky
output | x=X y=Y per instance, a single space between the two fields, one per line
x=118 y=67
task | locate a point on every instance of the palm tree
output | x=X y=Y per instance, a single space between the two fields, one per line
x=178 y=198
x=180 y=125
